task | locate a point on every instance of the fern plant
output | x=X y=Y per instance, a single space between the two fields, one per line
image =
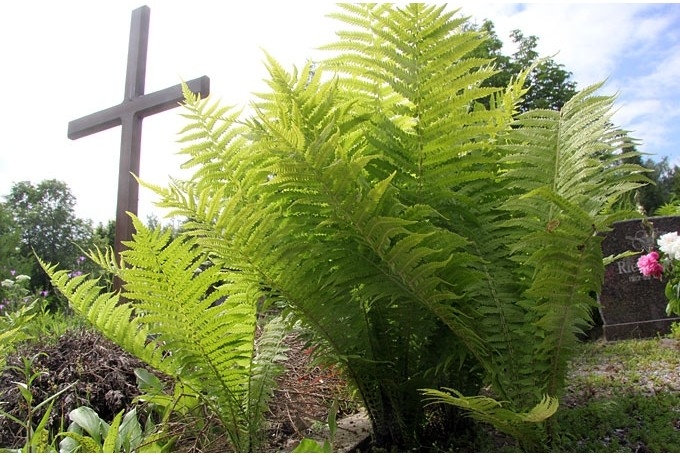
x=670 y=208
x=431 y=238
x=178 y=319
x=427 y=240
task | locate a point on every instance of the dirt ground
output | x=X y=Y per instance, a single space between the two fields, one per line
x=105 y=381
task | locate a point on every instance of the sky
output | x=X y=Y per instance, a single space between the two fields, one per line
x=64 y=60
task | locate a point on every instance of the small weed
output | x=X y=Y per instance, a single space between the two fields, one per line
x=37 y=437
x=675 y=331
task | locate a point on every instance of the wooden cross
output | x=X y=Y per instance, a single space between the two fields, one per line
x=129 y=114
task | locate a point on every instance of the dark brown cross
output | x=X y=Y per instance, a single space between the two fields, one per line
x=129 y=114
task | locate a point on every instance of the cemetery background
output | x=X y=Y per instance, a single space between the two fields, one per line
x=72 y=55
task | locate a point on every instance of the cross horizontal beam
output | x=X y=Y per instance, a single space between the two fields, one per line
x=142 y=106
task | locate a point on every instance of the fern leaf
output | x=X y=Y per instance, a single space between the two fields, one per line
x=265 y=366
x=180 y=320
x=554 y=161
x=521 y=425
x=116 y=320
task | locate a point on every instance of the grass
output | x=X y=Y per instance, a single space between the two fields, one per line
x=622 y=396
x=628 y=366
x=630 y=423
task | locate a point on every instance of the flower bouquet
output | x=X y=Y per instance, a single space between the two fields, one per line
x=659 y=266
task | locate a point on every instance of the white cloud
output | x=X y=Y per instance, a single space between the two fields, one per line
x=659 y=77
x=628 y=112
x=634 y=47
x=586 y=38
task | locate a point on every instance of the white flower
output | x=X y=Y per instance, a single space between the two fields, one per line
x=669 y=244
x=23 y=278
x=7 y=283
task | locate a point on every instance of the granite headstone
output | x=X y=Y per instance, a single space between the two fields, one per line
x=632 y=305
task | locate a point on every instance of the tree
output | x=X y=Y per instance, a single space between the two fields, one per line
x=44 y=219
x=663 y=187
x=104 y=235
x=549 y=84
x=11 y=260
x=490 y=48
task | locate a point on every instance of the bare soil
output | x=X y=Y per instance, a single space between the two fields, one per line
x=105 y=381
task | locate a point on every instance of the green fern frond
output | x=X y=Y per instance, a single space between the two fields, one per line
x=558 y=163
x=266 y=366
x=117 y=321
x=430 y=100
x=521 y=425
x=406 y=214
x=326 y=189
x=181 y=319
x=668 y=209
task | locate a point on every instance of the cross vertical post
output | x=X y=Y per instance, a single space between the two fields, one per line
x=131 y=126
x=129 y=115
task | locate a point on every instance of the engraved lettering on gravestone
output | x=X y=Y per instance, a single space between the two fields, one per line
x=129 y=114
x=632 y=305
x=642 y=240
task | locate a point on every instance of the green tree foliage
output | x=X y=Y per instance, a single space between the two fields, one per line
x=665 y=188
x=491 y=47
x=11 y=260
x=428 y=234
x=549 y=84
x=44 y=219
x=104 y=235
x=660 y=195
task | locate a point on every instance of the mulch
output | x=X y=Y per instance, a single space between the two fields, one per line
x=105 y=381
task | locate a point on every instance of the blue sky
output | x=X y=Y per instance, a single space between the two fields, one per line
x=635 y=47
x=63 y=60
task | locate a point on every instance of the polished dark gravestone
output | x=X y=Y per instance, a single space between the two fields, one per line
x=129 y=114
x=631 y=305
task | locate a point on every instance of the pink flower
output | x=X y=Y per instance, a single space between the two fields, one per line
x=649 y=265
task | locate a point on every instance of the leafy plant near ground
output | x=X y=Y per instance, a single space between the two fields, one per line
x=25 y=316
x=429 y=242
x=675 y=331
x=177 y=320
x=38 y=436
x=13 y=330
x=89 y=433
